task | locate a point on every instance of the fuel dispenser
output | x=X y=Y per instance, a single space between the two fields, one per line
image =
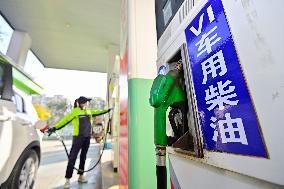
x=166 y=92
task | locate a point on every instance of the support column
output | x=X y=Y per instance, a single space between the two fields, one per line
x=113 y=99
x=113 y=51
x=142 y=50
x=19 y=46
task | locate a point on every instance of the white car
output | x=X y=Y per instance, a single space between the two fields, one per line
x=19 y=138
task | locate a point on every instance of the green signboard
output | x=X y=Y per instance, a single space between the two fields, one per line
x=21 y=80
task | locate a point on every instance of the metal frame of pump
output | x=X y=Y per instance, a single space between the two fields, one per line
x=164 y=93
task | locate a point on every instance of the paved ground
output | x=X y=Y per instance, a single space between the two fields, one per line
x=53 y=164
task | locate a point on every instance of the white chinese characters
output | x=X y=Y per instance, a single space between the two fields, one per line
x=231 y=130
x=212 y=65
x=219 y=87
x=220 y=95
x=205 y=44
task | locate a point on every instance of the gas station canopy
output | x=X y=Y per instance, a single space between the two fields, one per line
x=67 y=34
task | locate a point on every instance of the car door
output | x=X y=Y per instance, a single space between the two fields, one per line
x=23 y=129
x=7 y=117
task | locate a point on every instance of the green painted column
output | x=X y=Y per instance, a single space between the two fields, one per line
x=141 y=149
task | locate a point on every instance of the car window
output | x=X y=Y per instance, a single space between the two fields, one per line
x=19 y=101
x=6 y=82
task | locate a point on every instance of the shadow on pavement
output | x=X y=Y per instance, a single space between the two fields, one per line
x=60 y=155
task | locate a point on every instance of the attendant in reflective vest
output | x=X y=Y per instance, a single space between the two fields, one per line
x=82 y=119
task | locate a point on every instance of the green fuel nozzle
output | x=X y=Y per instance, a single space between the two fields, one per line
x=165 y=91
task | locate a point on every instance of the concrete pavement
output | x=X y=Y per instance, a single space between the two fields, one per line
x=53 y=165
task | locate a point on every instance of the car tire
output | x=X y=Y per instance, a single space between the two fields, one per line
x=24 y=173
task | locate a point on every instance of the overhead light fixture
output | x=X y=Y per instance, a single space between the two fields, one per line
x=67 y=25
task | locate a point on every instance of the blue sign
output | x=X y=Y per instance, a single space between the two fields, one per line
x=227 y=115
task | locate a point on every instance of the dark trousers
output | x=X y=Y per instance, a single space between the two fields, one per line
x=79 y=143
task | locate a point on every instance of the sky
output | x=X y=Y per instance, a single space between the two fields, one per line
x=73 y=84
x=69 y=83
